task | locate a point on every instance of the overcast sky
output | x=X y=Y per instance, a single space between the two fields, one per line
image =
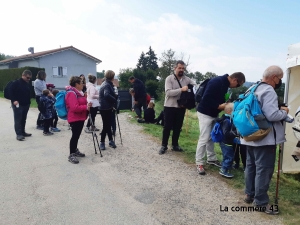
x=218 y=36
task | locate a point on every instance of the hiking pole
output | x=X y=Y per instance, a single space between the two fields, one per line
x=278 y=174
x=119 y=128
x=95 y=136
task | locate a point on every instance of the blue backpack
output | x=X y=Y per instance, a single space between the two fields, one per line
x=248 y=117
x=60 y=104
x=217 y=132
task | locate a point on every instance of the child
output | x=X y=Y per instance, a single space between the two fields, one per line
x=229 y=137
x=48 y=100
x=54 y=120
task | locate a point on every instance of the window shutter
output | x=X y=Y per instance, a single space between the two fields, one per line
x=55 y=70
x=65 y=71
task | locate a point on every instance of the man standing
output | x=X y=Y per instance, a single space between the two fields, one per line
x=261 y=154
x=174 y=114
x=211 y=105
x=20 y=102
x=139 y=96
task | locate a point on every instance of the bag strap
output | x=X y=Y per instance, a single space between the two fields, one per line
x=178 y=81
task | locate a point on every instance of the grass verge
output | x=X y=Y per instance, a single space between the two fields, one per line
x=289 y=185
x=32 y=105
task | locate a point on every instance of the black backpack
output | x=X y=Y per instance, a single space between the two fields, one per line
x=200 y=91
x=7 y=89
x=187 y=98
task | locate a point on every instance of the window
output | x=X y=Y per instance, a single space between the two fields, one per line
x=59 y=71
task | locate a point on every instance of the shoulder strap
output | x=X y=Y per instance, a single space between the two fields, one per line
x=178 y=81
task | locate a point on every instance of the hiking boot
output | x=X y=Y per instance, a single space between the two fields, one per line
x=79 y=154
x=162 y=150
x=55 y=129
x=200 y=169
x=102 y=146
x=112 y=144
x=248 y=199
x=272 y=209
x=26 y=134
x=177 y=148
x=47 y=133
x=39 y=127
x=72 y=158
x=215 y=163
x=88 y=130
x=225 y=173
x=20 y=137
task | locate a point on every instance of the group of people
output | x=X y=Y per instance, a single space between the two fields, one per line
x=258 y=157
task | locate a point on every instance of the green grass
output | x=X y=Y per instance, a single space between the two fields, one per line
x=32 y=105
x=289 y=185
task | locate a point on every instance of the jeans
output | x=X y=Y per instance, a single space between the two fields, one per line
x=173 y=120
x=205 y=142
x=138 y=107
x=228 y=155
x=76 y=128
x=106 y=120
x=259 y=171
x=20 y=116
x=93 y=112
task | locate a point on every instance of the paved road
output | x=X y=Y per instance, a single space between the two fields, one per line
x=129 y=185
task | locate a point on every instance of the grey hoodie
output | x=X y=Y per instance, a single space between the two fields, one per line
x=268 y=100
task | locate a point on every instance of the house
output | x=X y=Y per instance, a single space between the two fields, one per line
x=292 y=98
x=60 y=64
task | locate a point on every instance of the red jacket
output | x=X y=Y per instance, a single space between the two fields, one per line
x=148 y=99
x=76 y=105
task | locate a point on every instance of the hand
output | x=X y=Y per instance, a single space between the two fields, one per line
x=184 y=88
x=135 y=102
x=90 y=104
x=222 y=106
x=132 y=110
x=16 y=103
x=285 y=109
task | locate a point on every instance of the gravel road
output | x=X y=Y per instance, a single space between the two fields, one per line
x=131 y=184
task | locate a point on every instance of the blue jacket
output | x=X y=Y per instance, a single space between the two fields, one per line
x=49 y=103
x=228 y=129
x=213 y=96
x=107 y=97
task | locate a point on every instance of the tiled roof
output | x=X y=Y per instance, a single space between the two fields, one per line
x=44 y=53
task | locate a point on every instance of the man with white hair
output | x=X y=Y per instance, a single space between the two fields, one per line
x=261 y=154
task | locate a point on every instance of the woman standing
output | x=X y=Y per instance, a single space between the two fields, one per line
x=78 y=109
x=107 y=102
x=39 y=86
x=84 y=83
x=92 y=97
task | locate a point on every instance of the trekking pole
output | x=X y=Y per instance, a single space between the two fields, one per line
x=278 y=174
x=115 y=112
x=119 y=128
x=95 y=136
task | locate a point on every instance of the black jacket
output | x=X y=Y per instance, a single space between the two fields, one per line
x=228 y=129
x=149 y=115
x=20 y=91
x=213 y=96
x=139 y=89
x=107 y=97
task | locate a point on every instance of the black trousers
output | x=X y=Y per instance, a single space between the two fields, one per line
x=240 y=152
x=76 y=128
x=47 y=123
x=54 y=121
x=106 y=121
x=173 y=120
x=39 y=122
x=93 y=112
x=141 y=102
x=20 y=116
x=161 y=118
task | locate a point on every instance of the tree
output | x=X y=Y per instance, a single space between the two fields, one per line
x=124 y=75
x=209 y=75
x=151 y=87
x=142 y=62
x=168 y=61
x=280 y=93
x=151 y=59
x=101 y=74
x=237 y=91
x=3 y=56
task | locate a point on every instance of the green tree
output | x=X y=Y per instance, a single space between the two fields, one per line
x=151 y=59
x=151 y=87
x=237 y=91
x=280 y=93
x=124 y=75
x=101 y=74
x=168 y=61
x=142 y=62
x=199 y=77
x=209 y=75
x=3 y=56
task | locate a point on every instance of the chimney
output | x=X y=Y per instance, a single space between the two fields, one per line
x=31 y=49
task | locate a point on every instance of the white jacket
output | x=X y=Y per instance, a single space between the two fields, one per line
x=92 y=94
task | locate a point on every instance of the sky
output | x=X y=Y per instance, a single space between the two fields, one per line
x=223 y=36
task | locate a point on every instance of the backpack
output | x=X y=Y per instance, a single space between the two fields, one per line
x=60 y=104
x=248 y=117
x=217 y=132
x=187 y=98
x=7 y=89
x=200 y=91
x=42 y=106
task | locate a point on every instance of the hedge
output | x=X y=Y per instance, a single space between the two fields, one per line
x=7 y=75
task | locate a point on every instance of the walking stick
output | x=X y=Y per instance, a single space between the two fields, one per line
x=95 y=136
x=119 y=129
x=278 y=173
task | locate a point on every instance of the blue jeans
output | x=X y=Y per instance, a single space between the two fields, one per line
x=20 y=116
x=259 y=170
x=228 y=155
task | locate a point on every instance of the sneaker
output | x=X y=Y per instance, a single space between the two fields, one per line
x=162 y=150
x=26 y=134
x=72 y=159
x=79 y=154
x=88 y=130
x=272 y=209
x=177 y=148
x=102 y=146
x=215 y=163
x=55 y=129
x=248 y=199
x=47 y=133
x=200 y=169
x=20 y=137
x=39 y=127
x=112 y=144
x=225 y=173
